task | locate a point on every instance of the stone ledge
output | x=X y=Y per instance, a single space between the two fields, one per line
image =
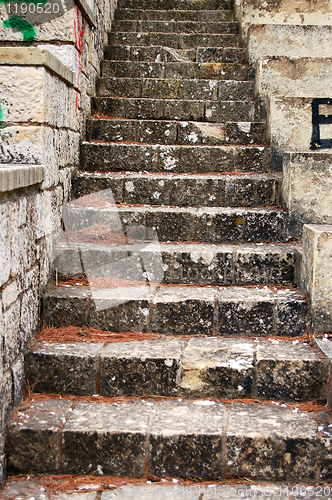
x=36 y=56
x=19 y=176
x=87 y=12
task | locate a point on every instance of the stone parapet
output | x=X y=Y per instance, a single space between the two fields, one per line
x=317 y=274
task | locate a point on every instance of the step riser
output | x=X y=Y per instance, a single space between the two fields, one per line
x=217 y=267
x=202 y=225
x=177 y=159
x=120 y=440
x=174 y=15
x=175 y=89
x=209 y=313
x=217 y=191
x=176 y=4
x=173 y=40
x=161 y=54
x=175 y=27
x=187 y=71
x=162 y=132
x=179 y=368
x=172 y=109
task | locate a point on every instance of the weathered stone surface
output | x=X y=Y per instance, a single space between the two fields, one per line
x=316 y=271
x=172 y=224
x=259 y=437
x=292 y=313
x=221 y=368
x=139 y=368
x=288 y=40
x=180 y=310
x=306 y=192
x=264 y=264
x=190 y=190
x=251 y=190
x=203 y=264
x=292 y=371
x=187 y=436
x=246 y=312
x=33 y=442
x=245 y=133
x=111 y=437
x=121 y=309
x=6 y=401
x=65 y=306
x=63 y=368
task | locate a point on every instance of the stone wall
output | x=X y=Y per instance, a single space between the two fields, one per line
x=45 y=88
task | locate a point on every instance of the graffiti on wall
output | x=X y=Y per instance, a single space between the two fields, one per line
x=317 y=120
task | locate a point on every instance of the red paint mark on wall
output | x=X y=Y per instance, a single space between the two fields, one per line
x=79 y=33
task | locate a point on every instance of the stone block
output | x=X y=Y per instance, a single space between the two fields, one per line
x=289 y=77
x=203 y=264
x=292 y=313
x=118 y=157
x=278 y=436
x=65 y=306
x=194 y=190
x=111 y=437
x=264 y=264
x=195 y=159
x=119 y=87
x=221 y=368
x=306 y=190
x=224 y=111
x=18 y=379
x=290 y=372
x=160 y=89
x=6 y=393
x=266 y=225
x=185 y=440
x=251 y=191
x=317 y=252
x=111 y=130
x=267 y=40
x=245 y=132
x=172 y=224
x=201 y=133
x=11 y=334
x=236 y=91
x=61 y=368
x=245 y=312
x=140 y=368
x=198 y=89
x=183 y=110
x=160 y=132
x=33 y=442
x=219 y=225
x=252 y=159
x=125 y=309
x=147 y=189
x=183 y=310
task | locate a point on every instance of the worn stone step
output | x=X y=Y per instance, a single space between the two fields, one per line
x=179 y=263
x=174 y=15
x=174 y=40
x=117 y=157
x=194 y=27
x=171 y=223
x=166 y=131
x=199 y=367
x=183 y=190
x=178 y=70
x=176 y=4
x=176 y=109
x=211 y=90
x=169 y=54
x=219 y=440
x=179 y=310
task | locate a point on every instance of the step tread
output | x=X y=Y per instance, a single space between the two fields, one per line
x=123 y=430
x=200 y=367
x=180 y=309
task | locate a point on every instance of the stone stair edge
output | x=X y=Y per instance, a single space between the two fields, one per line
x=221 y=435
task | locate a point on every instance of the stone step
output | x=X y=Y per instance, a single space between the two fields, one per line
x=169 y=54
x=179 y=263
x=175 y=89
x=183 y=190
x=178 y=70
x=171 y=438
x=159 y=131
x=199 y=367
x=176 y=109
x=171 y=223
x=179 y=310
x=215 y=28
x=117 y=157
x=176 y=4
x=174 y=15
x=174 y=40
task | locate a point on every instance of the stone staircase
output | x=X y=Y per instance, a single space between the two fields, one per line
x=177 y=229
